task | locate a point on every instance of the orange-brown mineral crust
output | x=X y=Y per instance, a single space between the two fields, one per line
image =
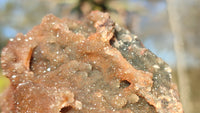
x=94 y=66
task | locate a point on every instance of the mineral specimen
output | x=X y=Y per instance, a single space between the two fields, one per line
x=93 y=66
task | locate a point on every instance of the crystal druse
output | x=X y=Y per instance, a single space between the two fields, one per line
x=89 y=66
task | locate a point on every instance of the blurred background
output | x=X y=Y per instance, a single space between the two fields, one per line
x=169 y=28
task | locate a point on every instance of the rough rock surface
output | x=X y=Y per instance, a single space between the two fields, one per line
x=92 y=66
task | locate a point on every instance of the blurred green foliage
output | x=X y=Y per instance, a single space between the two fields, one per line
x=4 y=82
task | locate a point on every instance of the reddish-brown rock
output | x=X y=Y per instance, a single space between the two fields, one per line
x=92 y=66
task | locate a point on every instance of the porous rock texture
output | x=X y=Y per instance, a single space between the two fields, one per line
x=93 y=66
